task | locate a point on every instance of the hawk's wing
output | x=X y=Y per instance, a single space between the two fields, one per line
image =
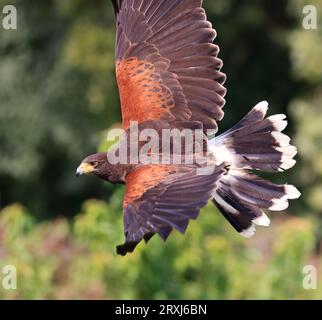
x=160 y=198
x=166 y=63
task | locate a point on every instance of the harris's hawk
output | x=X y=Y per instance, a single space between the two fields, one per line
x=169 y=76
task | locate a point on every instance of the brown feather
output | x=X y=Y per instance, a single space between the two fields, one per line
x=143 y=179
x=160 y=199
x=143 y=96
x=175 y=38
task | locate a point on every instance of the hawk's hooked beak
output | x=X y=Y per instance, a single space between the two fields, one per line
x=84 y=168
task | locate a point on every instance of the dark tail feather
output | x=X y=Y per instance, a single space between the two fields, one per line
x=255 y=143
x=241 y=196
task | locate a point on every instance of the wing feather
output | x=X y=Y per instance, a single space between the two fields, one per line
x=173 y=41
x=160 y=198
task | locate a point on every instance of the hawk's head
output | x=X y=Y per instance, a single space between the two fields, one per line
x=99 y=166
x=95 y=164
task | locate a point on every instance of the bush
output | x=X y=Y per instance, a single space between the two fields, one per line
x=58 y=260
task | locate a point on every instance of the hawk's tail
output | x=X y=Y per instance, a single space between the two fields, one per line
x=255 y=143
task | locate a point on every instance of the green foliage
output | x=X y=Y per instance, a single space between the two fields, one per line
x=58 y=93
x=306 y=48
x=306 y=109
x=58 y=260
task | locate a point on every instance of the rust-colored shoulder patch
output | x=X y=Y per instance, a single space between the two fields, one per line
x=142 y=93
x=143 y=179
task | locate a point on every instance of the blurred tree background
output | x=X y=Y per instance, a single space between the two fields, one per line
x=59 y=97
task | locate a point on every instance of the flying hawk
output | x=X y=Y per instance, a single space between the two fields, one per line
x=169 y=76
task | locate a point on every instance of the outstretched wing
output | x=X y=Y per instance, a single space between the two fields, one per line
x=161 y=198
x=166 y=63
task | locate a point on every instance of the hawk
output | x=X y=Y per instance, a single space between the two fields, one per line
x=169 y=76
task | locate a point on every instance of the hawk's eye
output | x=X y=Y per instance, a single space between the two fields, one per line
x=94 y=164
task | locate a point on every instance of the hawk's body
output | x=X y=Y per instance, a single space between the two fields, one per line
x=169 y=76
